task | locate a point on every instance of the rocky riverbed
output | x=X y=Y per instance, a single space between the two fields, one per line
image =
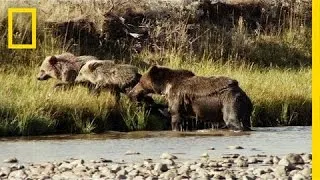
x=167 y=166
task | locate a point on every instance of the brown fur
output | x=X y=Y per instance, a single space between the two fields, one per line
x=64 y=67
x=105 y=74
x=206 y=86
x=206 y=98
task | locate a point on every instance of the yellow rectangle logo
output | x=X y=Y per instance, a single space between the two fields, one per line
x=33 y=12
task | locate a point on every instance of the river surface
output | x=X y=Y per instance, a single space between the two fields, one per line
x=186 y=146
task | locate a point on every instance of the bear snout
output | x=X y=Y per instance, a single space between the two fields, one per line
x=132 y=95
x=78 y=79
x=43 y=77
x=136 y=92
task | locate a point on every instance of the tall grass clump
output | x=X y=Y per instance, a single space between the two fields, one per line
x=269 y=54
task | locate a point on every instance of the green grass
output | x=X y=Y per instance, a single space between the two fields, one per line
x=273 y=68
x=31 y=107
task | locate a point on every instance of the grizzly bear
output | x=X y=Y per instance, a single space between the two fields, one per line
x=118 y=78
x=64 y=67
x=205 y=98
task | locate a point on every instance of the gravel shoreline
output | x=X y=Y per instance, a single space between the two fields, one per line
x=228 y=166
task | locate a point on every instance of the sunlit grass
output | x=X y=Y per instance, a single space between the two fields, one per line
x=273 y=68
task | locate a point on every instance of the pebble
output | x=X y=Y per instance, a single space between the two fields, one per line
x=306 y=171
x=298 y=176
x=285 y=162
x=275 y=160
x=268 y=160
x=241 y=161
x=307 y=157
x=105 y=160
x=159 y=167
x=233 y=167
x=252 y=160
x=294 y=158
x=280 y=170
x=230 y=155
x=205 y=155
x=168 y=156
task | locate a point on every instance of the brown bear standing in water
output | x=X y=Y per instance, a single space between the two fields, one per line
x=64 y=67
x=206 y=98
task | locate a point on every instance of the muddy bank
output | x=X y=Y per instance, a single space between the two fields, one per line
x=230 y=166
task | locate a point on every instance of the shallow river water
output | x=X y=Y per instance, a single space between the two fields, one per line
x=113 y=145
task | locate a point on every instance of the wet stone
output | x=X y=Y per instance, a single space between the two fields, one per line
x=105 y=160
x=307 y=157
x=169 y=174
x=248 y=177
x=205 y=155
x=213 y=164
x=285 y=162
x=168 y=156
x=241 y=163
x=121 y=177
x=228 y=161
x=252 y=160
x=159 y=167
x=226 y=165
x=306 y=171
x=11 y=160
x=235 y=147
x=138 y=178
x=294 y=158
x=132 y=153
x=133 y=173
x=267 y=176
x=4 y=171
x=275 y=160
x=115 y=168
x=77 y=162
x=261 y=155
x=65 y=167
x=268 y=160
x=167 y=162
x=230 y=155
x=19 y=174
x=280 y=170
x=259 y=171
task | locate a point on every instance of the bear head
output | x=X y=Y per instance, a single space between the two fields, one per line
x=156 y=79
x=48 y=69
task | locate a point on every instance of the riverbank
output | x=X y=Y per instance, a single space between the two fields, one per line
x=210 y=154
x=269 y=54
x=230 y=166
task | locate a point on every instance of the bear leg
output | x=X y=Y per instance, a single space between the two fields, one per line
x=230 y=116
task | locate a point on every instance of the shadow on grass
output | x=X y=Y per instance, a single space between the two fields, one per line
x=279 y=55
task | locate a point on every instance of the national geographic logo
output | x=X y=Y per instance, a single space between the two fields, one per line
x=33 y=12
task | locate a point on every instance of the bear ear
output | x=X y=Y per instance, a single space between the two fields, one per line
x=154 y=68
x=53 y=60
x=94 y=66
